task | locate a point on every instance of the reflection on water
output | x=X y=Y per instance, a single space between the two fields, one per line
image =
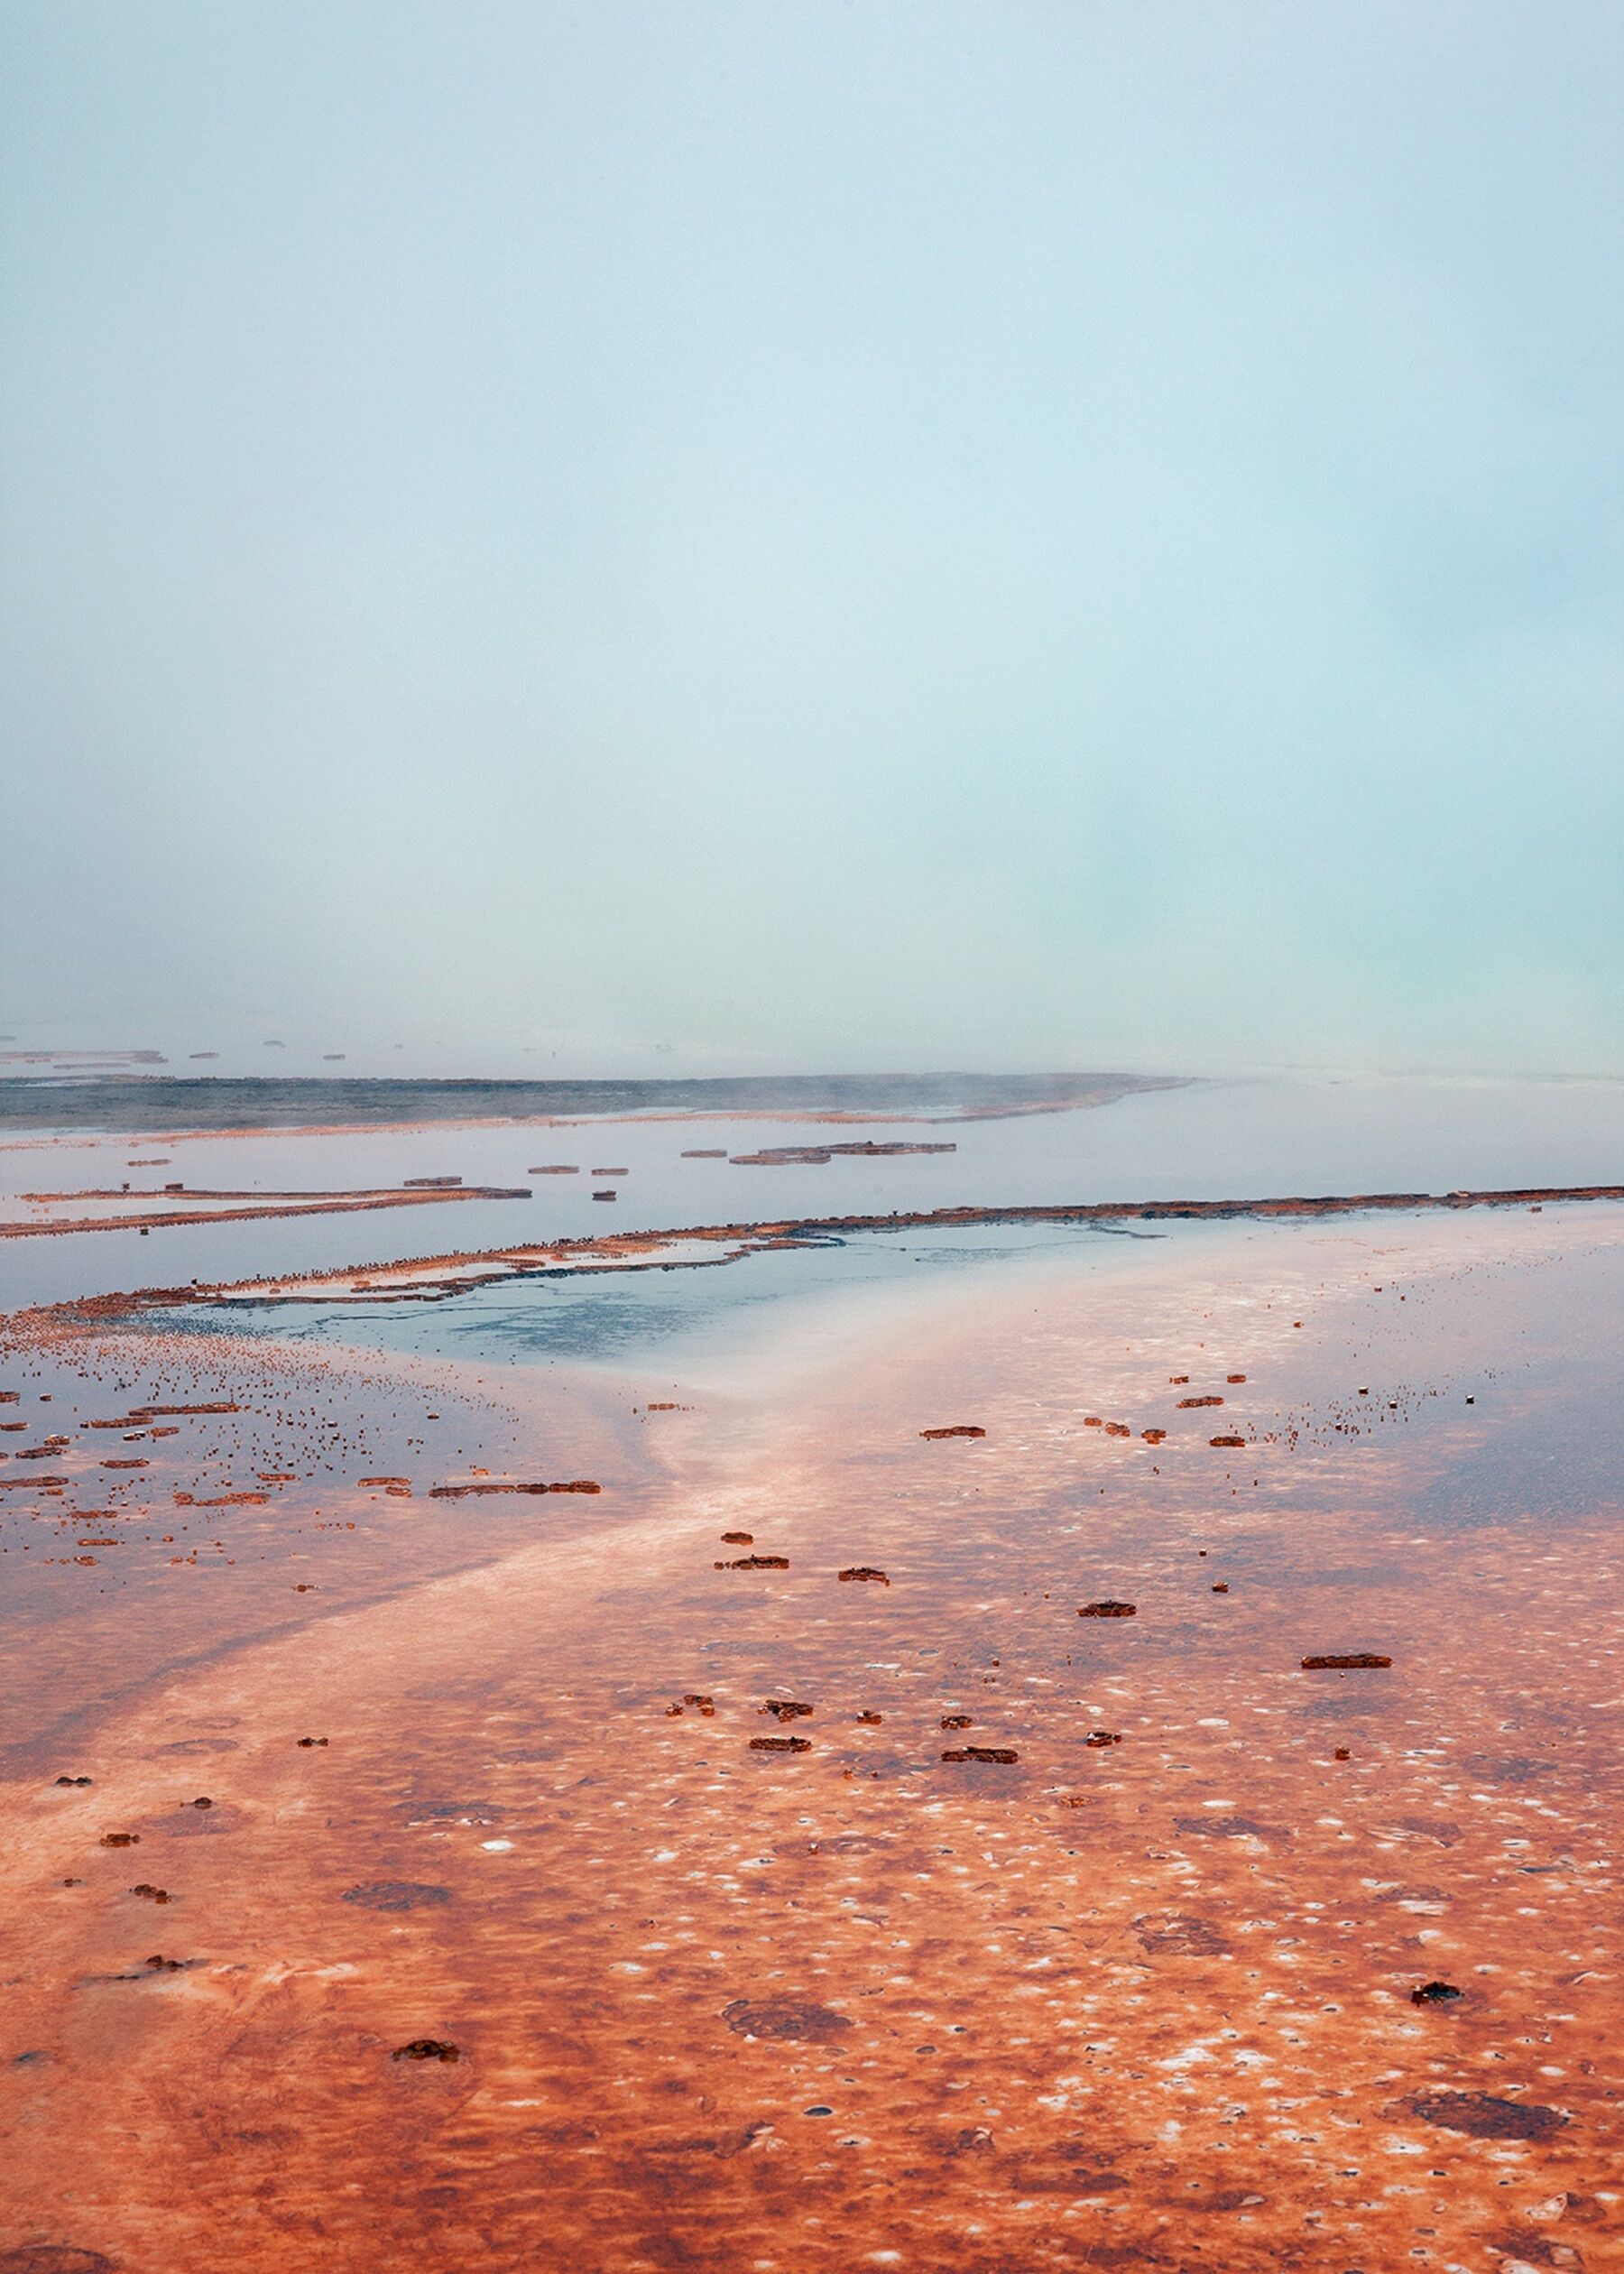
x=684 y=1312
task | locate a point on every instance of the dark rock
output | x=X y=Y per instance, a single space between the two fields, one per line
x=789 y=2019
x=312 y=1741
x=1228 y=1828
x=74 y=1780
x=756 y=1562
x=1344 y=1661
x=786 y=1708
x=1099 y=1738
x=55 y=2258
x=956 y=1429
x=872 y=1721
x=1179 y=1935
x=396 y=1895
x=1235 y=1441
x=1185 y=1404
x=781 y=1744
x=865 y=1571
x=738 y=1539
x=1109 y=1610
x=1435 y=1993
x=120 y=1839
x=957 y=1720
x=427 y=2049
x=1484 y=2115
x=149 y=1893
x=1001 y=1754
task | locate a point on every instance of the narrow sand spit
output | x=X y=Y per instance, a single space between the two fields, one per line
x=1121 y=1942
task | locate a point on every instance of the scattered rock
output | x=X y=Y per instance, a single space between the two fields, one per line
x=1234 y=1377
x=957 y=1720
x=1100 y=1738
x=202 y=1801
x=703 y=1703
x=427 y=2049
x=1343 y=1661
x=738 y=1539
x=74 y=1780
x=1435 y=1993
x=1221 y=1586
x=1342 y=1753
x=1185 y=1404
x=1002 y=1754
x=1154 y=1436
x=781 y=1744
x=312 y=1741
x=1235 y=1442
x=870 y=1721
x=786 y=1708
x=756 y=1562
x=956 y=1429
x=1109 y=1610
x=121 y=1839
x=149 y=1893
x=865 y=1571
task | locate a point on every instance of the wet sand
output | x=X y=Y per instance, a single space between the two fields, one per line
x=1144 y=1994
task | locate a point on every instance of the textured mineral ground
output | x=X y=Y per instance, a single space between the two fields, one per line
x=541 y=1894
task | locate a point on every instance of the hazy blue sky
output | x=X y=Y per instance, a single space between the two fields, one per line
x=815 y=534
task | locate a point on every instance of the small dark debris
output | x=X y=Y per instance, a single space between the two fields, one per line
x=1002 y=1755
x=1435 y=1993
x=738 y=1539
x=1109 y=1610
x=865 y=1571
x=121 y=1839
x=427 y=2049
x=786 y=1708
x=312 y=1741
x=756 y=1562
x=781 y=1744
x=74 y=1780
x=1344 y=1661
x=957 y=1720
x=956 y=1429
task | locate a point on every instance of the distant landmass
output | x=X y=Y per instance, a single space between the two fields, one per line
x=156 y=1102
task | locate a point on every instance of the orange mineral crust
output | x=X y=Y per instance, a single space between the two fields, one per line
x=603 y=1903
